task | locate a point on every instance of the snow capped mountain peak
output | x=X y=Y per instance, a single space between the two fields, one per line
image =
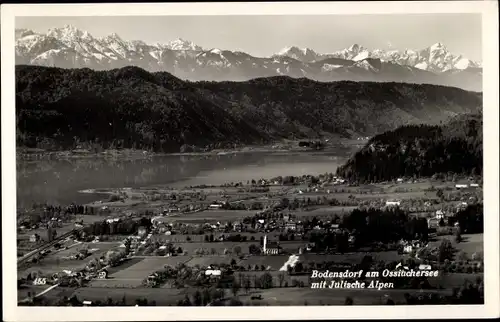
x=354 y=47
x=20 y=33
x=301 y=54
x=68 y=31
x=437 y=46
x=70 y=47
x=182 y=44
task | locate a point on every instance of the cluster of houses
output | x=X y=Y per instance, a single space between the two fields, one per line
x=411 y=246
x=465 y=185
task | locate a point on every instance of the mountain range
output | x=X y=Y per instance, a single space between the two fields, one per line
x=69 y=47
x=132 y=108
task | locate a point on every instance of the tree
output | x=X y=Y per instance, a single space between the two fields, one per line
x=237 y=250
x=458 y=236
x=235 y=288
x=266 y=281
x=445 y=251
x=247 y=284
x=281 y=278
x=197 y=298
x=206 y=296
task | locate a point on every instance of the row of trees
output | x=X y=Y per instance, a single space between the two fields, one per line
x=123 y=227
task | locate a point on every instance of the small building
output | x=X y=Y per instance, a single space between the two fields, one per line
x=34 y=238
x=461 y=186
x=103 y=274
x=213 y=272
x=425 y=267
x=474 y=185
x=439 y=214
x=215 y=206
x=408 y=249
x=291 y=226
x=392 y=203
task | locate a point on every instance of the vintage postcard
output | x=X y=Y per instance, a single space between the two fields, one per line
x=195 y=161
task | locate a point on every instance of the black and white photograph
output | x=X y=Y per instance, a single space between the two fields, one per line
x=266 y=156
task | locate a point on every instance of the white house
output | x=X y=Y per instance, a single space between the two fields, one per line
x=425 y=267
x=392 y=203
x=213 y=272
x=461 y=186
x=439 y=214
x=475 y=185
x=408 y=248
x=215 y=206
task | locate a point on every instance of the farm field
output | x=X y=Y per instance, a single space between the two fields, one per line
x=162 y=296
x=146 y=266
x=53 y=263
x=322 y=211
x=204 y=261
x=308 y=296
x=351 y=258
x=212 y=216
x=470 y=244
x=275 y=262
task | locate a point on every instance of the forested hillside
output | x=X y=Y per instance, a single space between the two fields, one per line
x=131 y=108
x=420 y=151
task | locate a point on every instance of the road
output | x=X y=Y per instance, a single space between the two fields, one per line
x=47 y=290
x=27 y=256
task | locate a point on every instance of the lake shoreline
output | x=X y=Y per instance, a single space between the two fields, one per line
x=281 y=147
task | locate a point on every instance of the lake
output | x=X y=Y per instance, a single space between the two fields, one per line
x=58 y=181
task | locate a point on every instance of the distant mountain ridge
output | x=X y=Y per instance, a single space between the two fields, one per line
x=69 y=47
x=132 y=108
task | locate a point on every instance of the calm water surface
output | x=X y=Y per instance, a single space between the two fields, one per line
x=59 y=181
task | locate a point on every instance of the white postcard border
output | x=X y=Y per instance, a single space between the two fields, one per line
x=488 y=9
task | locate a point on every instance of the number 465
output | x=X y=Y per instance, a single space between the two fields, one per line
x=40 y=281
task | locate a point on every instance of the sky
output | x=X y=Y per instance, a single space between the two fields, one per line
x=263 y=36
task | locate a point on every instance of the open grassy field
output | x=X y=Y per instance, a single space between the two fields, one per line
x=351 y=258
x=274 y=261
x=470 y=243
x=204 y=261
x=212 y=216
x=148 y=265
x=53 y=263
x=162 y=296
x=280 y=279
x=325 y=211
x=308 y=296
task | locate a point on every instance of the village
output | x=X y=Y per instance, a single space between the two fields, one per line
x=253 y=243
